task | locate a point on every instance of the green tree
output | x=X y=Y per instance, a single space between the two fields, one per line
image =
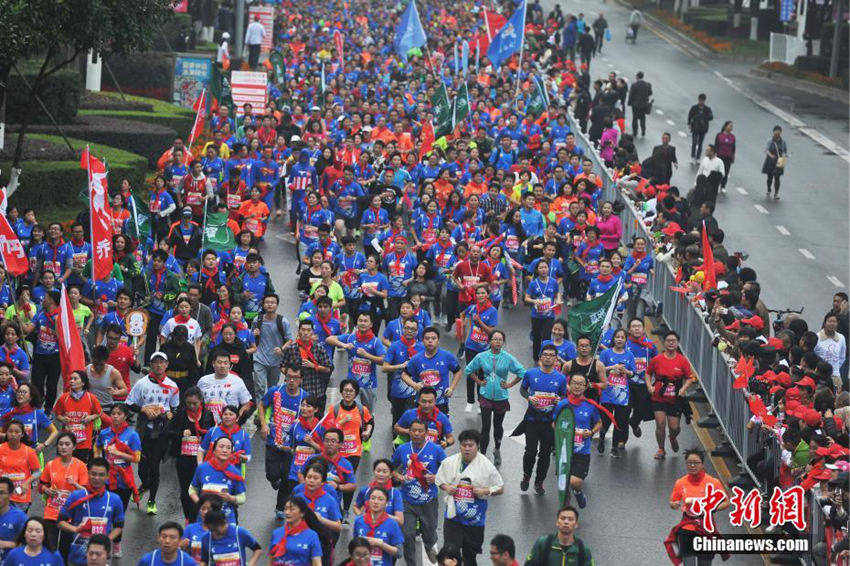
x=55 y=32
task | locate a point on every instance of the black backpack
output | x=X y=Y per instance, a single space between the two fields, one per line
x=543 y=559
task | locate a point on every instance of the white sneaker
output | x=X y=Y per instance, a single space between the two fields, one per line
x=431 y=553
x=116 y=550
x=478 y=409
x=468 y=408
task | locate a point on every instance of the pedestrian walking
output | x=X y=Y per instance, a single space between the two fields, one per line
x=640 y=100
x=699 y=117
x=724 y=146
x=254 y=36
x=774 y=161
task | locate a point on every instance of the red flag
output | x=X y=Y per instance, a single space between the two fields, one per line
x=339 y=47
x=71 y=356
x=101 y=232
x=11 y=250
x=427 y=139
x=709 y=269
x=493 y=22
x=200 y=108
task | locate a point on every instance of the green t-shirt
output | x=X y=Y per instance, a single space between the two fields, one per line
x=558 y=555
x=12 y=311
x=81 y=313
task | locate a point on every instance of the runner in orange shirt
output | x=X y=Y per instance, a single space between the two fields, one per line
x=19 y=463
x=60 y=477
x=254 y=214
x=77 y=409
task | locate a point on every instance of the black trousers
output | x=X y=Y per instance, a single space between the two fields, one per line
x=349 y=495
x=539 y=441
x=465 y=538
x=471 y=386
x=45 y=377
x=451 y=307
x=393 y=307
x=153 y=452
x=186 y=466
x=399 y=406
x=621 y=414
x=773 y=178
x=498 y=420
x=253 y=55
x=638 y=119
x=541 y=329
x=696 y=144
x=152 y=335
x=727 y=166
x=278 y=463
x=639 y=404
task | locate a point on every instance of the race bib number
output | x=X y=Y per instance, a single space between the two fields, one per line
x=234 y=201
x=218 y=488
x=432 y=435
x=252 y=224
x=617 y=380
x=430 y=377
x=215 y=406
x=429 y=235
x=479 y=336
x=154 y=207
x=464 y=494
x=57 y=501
x=349 y=444
x=514 y=144
x=190 y=446
x=18 y=480
x=669 y=390
x=78 y=430
x=639 y=278
x=193 y=199
x=512 y=243
x=640 y=365
x=80 y=260
x=592 y=268
x=311 y=231
x=546 y=401
x=98 y=525
x=287 y=417
x=470 y=281
x=302 y=454
x=227 y=559
x=545 y=305
x=361 y=366
x=376 y=555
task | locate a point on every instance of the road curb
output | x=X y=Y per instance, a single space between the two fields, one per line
x=810 y=87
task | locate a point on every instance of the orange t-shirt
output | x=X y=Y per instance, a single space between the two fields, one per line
x=352 y=444
x=473 y=188
x=685 y=488
x=56 y=475
x=18 y=465
x=77 y=410
x=260 y=211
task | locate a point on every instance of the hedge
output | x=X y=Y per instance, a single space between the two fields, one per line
x=148 y=74
x=165 y=114
x=146 y=139
x=51 y=184
x=60 y=93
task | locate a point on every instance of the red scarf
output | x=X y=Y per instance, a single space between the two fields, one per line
x=377 y=213
x=443 y=251
x=279 y=549
x=480 y=308
x=310 y=212
x=195 y=418
x=312 y=497
x=210 y=282
x=411 y=346
x=367 y=518
x=576 y=401
x=19 y=410
x=324 y=324
x=224 y=468
x=158 y=275
x=87 y=497
x=641 y=341
x=604 y=278
x=638 y=255
x=160 y=380
x=388 y=485
x=432 y=418
x=417 y=469
x=398 y=268
x=180 y=319
x=224 y=311
x=124 y=472
x=364 y=337
x=306 y=350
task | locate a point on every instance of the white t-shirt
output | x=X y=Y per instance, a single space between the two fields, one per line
x=219 y=393
x=254 y=34
x=146 y=392
x=191 y=325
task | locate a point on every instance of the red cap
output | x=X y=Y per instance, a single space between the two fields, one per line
x=807 y=382
x=811 y=417
x=776 y=343
x=672 y=229
x=783 y=379
x=755 y=321
x=734 y=326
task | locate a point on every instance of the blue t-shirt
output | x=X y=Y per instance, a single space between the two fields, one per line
x=19 y=557
x=11 y=524
x=586 y=417
x=387 y=531
x=547 y=389
x=435 y=371
x=155 y=559
x=325 y=504
x=478 y=340
x=241 y=440
x=617 y=391
x=368 y=283
x=394 y=504
x=195 y=534
x=300 y=548
x=45 y=329
x=290 y=409
x=397 y=354
x=340 y=471
x=207 y=478
x=129 y=437
x=566 y=351
x=438 y=427
x=430 y=455
x=34 y=422
x=105 y=512
x=548 y=291
x=229 y=549
x=362 y=369
x=398 y=270
x=301 y=450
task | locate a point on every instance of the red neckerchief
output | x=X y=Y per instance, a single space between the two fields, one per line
x=210 y=282
x=19 y=410
x=377 y=213
x=306 y=350
x=443 y=251
x=124 y=472
x=224 y=310
x=223 y=468
x=576 y=401
x=399 y=264
x=312 y=497
x=76 y=243
x=51 y=318
x=433 y=418
x=431 y=219
x=324 y=324
x=158 y=275
x=279 y=549
x=616 y=270
x=160 y=380
x=195 y=418
x=365 y=337
x=641 y=342
x=307 y=425
x=479 y=309
x=411 y=346
x=87 y=497
x=604 y=278
x=56 y=248
x=230 y=432
x=367 y=518
x=310 y=212
x=638 y=255
x=7 y=352
x=180 y=319
x=388 y=485
x=417 y=468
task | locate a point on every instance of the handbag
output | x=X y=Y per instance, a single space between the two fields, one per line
x=780 y=162
x=607 y=34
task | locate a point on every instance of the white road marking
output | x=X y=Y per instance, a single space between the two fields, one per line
x=670 y=122
x=783 y=230
x=610 y=64
x=605 y=59
x=682 y=134
x=742 y=190
x=827 y=143
x=835 y=280
x=761 y=209
x=659 y=112
x=806 y=253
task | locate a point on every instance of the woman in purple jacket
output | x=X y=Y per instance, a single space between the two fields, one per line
x=724 y=145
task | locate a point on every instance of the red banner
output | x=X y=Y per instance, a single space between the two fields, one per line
x=14 y=256
x=338 y=41
x=426 y=139
x=101 y=233
x=71 y=356
x=200 y=108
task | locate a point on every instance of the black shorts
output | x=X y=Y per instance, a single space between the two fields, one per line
x=580 y=465
x=670 y=409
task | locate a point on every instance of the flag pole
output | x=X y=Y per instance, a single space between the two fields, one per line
x=521 y=46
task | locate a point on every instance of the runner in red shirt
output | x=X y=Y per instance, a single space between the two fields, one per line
x=122 y=357
x=669 y=376
x=470 y=274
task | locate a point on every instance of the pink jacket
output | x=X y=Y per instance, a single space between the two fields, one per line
x=610 y=231
x=607 y=144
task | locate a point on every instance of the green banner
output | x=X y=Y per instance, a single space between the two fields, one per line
x=538 y=103
x=565 y=431
x=589 y=318
x=217 y=234
x=460 y=108
x=276 y=59
x=442 y=112
x=140 y=217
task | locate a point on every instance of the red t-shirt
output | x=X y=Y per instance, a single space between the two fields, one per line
x=121 y=358
x=668 y=376
x=469 y=278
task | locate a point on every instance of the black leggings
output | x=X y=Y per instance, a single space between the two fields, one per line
x=186 y=466
x=471 y=386
x=621 y=431
x=498 y=430
x=45 y=376
x=349 y=495
x=773 y=178
x=541 y=329
x=696 y=144
x=727 y=166
x=153 y=452
x=451 y=307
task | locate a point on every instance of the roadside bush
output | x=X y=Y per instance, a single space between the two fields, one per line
x=60 y=93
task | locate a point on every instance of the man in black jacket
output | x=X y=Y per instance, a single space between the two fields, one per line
x=665 y=157
x=639 y=96
x=699 y=117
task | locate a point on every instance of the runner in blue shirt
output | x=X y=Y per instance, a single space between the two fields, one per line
x=587 y=423
x=398 y=355
x=323 y=500
x=393 y=330
x=480 y=319
x=439 y=427
x=33 y=548
x=194 y=533
x=566 y=348
x=382 y=472
x=350 y=264
x=435 y=368
x=226 y=543
x=12 y=519
x=374 y=287
x=398 y=266
x=218 y=475
x=380 y=529
x=91 y=511
x=297 y=542
x=346 y=192
x=169 y=553
x=544 y=296
x=643 y=350
x=365 y=353
x=620 y=365
x=416 y=464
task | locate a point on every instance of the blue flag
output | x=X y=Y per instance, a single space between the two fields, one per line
x=409 y=33
x=509 y=39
